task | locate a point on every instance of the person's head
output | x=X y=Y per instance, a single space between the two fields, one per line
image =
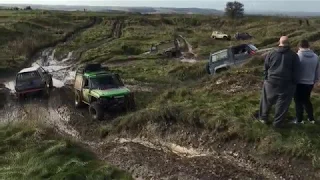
x=304 y=44
x=284 y=41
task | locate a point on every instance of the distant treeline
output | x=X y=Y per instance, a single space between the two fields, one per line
x=16 y=8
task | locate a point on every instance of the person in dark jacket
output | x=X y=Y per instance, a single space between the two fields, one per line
x=309 y=75
x=281 y=72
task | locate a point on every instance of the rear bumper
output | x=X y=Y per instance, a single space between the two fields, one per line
x=29 y=91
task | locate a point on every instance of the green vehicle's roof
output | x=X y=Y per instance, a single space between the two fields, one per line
x=96 y=74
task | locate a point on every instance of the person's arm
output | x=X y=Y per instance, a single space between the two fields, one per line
x=317 y=73
x=295 y=69
x=266 y=66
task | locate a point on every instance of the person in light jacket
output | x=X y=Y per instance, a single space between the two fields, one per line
x=308 y=76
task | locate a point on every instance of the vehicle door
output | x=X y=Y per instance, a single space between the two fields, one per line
x=218 y=59
x=85 y=89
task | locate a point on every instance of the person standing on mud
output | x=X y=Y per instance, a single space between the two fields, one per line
x=281 y=72
x=309 y=75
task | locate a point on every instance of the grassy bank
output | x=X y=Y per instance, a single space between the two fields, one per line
x=139 y=32
x=223 y=106
x=24 y=32
x=34 y=152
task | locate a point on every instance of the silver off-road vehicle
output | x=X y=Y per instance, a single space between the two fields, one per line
x=226 y=58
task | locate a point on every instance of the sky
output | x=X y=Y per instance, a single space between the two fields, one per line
x=249 y=5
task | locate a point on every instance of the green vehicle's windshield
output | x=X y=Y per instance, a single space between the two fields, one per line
x=105 y=82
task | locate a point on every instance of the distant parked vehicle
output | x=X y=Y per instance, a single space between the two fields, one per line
x=242 y=36
x=226 y=58
x=33 y=80
x=220 y=35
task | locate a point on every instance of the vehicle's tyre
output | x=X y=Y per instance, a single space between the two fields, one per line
x=225 y=38
x=96 y=111
x=20 y=97
x=77 y=100
x=51 y=84
x=208 y=68
x=46 y=91
x=168 y=54
x=131 y=104
x=221 y=70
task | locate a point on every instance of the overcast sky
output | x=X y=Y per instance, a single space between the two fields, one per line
x=250 y=5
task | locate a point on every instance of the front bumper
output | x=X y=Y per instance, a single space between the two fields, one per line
x=113 y=102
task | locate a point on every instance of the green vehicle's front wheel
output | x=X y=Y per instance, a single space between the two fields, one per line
x=96 y=111
x=130 y=103
x=77 y=101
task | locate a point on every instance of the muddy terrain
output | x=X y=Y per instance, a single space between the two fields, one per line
x=144 y=158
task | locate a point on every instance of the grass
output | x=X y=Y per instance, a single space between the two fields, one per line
x=24 y=32
x=34 y=152
x=139 y=32
x=223 y=105
x=182 y=93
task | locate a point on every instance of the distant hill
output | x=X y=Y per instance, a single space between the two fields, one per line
x=143 y=10
x=286 y=13
x=156 y=10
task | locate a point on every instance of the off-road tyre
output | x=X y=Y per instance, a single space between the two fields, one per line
x=51 y=84
x=168 y=54
x=96 y=111
x=225 y=38
x=220 y=70
x=208 y=68
x=20 y=97
x=46 y=91
x=77 y=100
x=131 y=103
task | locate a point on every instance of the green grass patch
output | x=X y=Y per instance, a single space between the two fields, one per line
x=27 y=152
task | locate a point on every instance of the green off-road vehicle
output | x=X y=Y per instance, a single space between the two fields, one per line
x=102 y=90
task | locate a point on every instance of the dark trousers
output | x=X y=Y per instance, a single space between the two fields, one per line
x=280 y=95
x=302 y=101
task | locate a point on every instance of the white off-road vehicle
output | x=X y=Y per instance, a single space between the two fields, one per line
x=220 y=35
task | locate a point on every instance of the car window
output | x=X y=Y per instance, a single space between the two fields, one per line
x=213 y=58
x=222 y=55
x=27 y=76
x=219 y=56
x=105 y=82
x=86 y=83
x=253 y=47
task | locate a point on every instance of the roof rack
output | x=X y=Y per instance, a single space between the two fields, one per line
x=92 y=67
